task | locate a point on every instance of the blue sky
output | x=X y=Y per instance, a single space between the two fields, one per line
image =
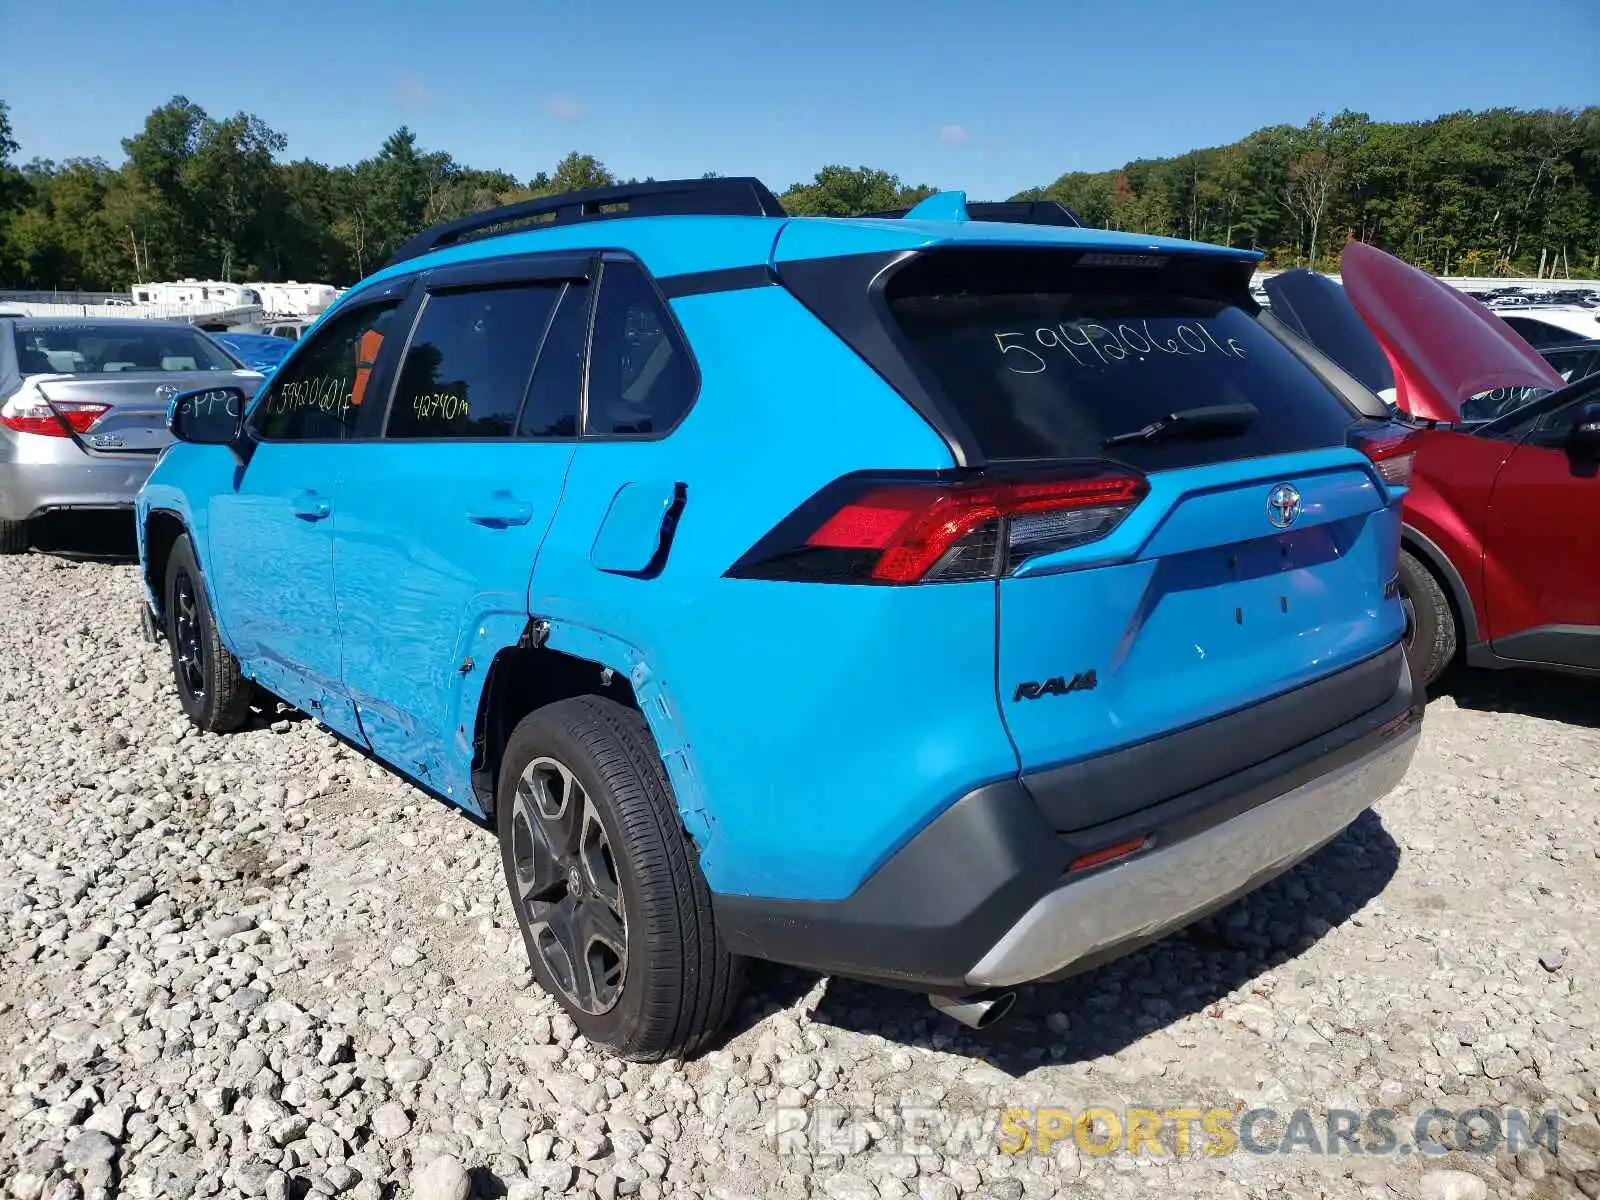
x=987 y=95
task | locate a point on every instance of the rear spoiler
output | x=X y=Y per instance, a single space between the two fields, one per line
x=1016 y=212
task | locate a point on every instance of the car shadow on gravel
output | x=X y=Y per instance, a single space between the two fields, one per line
x=1110 y=1008
x=89 y=536
x=1550 y=695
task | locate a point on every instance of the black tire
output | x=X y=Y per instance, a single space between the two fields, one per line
x=213 y=692
x=1431 y=636
x=677 y=983
x=13 y=537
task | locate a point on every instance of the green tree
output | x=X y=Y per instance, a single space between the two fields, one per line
x=579 y=173
x=838 y=191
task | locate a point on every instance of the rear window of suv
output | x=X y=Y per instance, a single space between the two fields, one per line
x=1045 y=357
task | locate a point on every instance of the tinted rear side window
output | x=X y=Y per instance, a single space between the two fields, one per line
x=469 y=362
x=1043 y=358
x=641 y=380
x=551 y=409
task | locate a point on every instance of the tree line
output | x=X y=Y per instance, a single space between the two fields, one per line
x=1497 y=192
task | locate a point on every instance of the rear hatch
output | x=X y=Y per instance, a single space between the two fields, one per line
x=1248 y=553
x=1317 y=308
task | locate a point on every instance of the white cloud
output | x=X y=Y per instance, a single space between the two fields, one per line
x=562 y=109
x=954 y=135
x=410 y=94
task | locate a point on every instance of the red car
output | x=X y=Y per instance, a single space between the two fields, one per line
x=1500 y=559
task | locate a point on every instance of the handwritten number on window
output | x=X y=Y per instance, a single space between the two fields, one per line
x=1087 y=344
x=1020 y=365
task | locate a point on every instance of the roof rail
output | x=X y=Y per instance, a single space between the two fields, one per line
x=1020 y=212
x=738 y=196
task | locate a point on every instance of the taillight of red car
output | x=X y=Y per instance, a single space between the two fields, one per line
x=1393 y=452
x=907 y=530
x=61 y=419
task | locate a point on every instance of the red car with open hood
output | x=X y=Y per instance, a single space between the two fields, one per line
x=1500 y=559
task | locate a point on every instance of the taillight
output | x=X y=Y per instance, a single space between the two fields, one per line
x=1392 y=454
x=36 y=416
x=907 y=530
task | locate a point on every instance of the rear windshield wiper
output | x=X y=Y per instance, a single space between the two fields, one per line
x=1191 y=422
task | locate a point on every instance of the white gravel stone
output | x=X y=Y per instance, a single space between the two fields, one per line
x=442 y=1179
x=256 y=964
x=1452 y=1185
x=390 y=1121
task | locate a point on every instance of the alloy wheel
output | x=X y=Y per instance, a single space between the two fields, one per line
x=188 y=644
x=567 y=885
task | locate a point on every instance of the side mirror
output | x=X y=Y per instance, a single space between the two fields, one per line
x=1585 y=435
x=208 y=417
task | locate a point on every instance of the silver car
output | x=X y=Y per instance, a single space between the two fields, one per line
x=83 y=407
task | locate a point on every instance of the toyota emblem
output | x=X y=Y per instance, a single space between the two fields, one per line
x=1283 y=505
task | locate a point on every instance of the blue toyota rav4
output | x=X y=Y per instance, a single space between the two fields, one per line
x=933 y=599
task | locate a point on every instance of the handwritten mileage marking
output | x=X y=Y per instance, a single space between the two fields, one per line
x=439 y=405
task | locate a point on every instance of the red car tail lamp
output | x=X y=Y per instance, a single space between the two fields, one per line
x=1393 y=454
x=910 y=530
x=61 y=418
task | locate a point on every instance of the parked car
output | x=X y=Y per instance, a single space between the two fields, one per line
x=1573 y=361
x=259 y=352
x=288 y=329
x=1548 y=325
x=845 y=593
x=1500 y=561
x=83 y=405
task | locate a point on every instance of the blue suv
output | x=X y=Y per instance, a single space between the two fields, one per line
x=931 y=599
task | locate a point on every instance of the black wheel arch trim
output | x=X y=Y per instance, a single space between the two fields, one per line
x=1437 y=561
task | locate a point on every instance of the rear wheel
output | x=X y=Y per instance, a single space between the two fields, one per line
x=1431 y=637
x=615 y=915
x=213 y=692
x=13 y=537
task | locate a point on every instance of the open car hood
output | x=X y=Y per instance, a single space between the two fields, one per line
x=1442 y=345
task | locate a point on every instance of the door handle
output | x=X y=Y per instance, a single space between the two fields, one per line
x=310 y=506
x=500 y=510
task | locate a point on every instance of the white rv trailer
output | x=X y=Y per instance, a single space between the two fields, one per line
x=292 y=299
x=196 y=293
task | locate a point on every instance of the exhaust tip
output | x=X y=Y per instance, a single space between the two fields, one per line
x=977 y=1010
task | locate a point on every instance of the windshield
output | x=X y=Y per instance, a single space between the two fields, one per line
x=86 y=348
x=1045 y=359
x=1500 y=402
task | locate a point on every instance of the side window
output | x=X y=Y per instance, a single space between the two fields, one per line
x=317 y=395
x=551 y=410
x=641 y=380
x=1556 y=425
x=469 y=360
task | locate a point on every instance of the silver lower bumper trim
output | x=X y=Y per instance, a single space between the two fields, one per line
x=1170 y=886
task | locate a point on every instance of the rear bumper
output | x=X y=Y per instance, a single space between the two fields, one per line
x=30 y=489
x=982 y=896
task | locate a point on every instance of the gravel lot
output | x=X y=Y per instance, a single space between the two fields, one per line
x=263 y=965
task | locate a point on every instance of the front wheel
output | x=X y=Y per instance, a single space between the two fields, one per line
x=214 y=693
x=1430 y=621
x=614 y=913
